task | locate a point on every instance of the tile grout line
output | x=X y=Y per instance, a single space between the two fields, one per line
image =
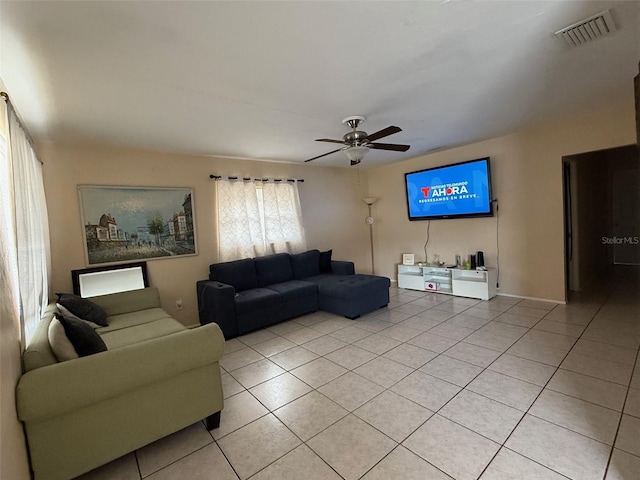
x=615 y=438
x=504 y=443
x=349 y=412
x=418 y=369
x=437 y=355
x=500 y=445
x=542 y=390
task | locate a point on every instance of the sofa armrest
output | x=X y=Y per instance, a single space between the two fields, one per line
x=217 y=303
x=342 y=268
x=74 y=384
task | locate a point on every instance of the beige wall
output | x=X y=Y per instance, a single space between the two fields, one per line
x=527 y=181
x=330 y=198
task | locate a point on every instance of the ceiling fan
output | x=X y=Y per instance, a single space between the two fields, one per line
x=357 y=143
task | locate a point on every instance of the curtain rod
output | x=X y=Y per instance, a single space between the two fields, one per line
x=246 y=179
x=5 y=96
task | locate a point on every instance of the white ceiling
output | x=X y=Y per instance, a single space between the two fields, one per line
x=263 y=79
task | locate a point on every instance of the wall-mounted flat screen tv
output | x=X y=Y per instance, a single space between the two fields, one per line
x=459 y=190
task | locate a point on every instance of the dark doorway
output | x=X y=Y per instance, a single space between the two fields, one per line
x=601 y=214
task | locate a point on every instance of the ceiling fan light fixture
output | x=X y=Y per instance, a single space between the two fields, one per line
x=356 y=153
x=357 y=143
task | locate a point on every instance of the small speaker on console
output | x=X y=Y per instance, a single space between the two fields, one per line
x=472 y=261
x=480 y=259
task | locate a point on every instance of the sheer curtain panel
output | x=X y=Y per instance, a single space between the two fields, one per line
x=31 y=227
x=9 y=283
x=258 y=218
x=283 y=228
x=239 y=227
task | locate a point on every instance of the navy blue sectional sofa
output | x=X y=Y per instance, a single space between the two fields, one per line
x=244 y=295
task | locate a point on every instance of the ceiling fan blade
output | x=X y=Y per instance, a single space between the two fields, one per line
x=329 y=140
x=385 y=132
x=323 y=155
x=389 y=146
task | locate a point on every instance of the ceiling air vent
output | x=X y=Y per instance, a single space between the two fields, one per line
x=588 y=29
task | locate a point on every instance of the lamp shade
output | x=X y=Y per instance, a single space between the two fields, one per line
x=356 y=153
x=369 y=200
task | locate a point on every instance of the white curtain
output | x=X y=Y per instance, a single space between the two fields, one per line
x=283 y=228
x=256 y=219
x=239 y=228
x=9 y=283
x=30 y=227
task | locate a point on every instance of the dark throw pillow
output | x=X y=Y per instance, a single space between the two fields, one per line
x=84 y=339
x=325 y=262
x=306 y=264
x=83 y=308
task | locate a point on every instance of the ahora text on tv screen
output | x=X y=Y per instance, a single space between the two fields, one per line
x=452 y=191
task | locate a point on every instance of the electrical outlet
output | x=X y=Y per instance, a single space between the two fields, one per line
x=179 y=304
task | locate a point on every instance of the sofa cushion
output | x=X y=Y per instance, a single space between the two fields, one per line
x=325 y=262
x=305 y=264
x=84 y=339
x=83 y=308
x=347 y=287
x=295 y=289
x=273 y=269
x=256 y=299
x=240 y=274
x=60 y=344
x=141 y=332
x=131 y=319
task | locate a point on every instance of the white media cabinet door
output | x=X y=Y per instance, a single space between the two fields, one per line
x=410 y=276
x=474 y=283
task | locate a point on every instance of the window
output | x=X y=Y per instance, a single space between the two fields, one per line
x=258 y=218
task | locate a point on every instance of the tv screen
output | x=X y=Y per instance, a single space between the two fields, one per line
x=452 y=191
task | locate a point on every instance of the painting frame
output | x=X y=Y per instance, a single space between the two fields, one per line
x=129 y=223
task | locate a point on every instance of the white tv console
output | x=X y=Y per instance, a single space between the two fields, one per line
x=452 y=281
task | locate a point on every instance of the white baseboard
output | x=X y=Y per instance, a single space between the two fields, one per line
x=537 y=299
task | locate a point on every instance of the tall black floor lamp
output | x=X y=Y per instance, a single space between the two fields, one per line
x=369 y=221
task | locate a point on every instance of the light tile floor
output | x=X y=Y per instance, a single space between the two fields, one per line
x=432 y=387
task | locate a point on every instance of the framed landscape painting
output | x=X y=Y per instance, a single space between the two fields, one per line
x=121 y=224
